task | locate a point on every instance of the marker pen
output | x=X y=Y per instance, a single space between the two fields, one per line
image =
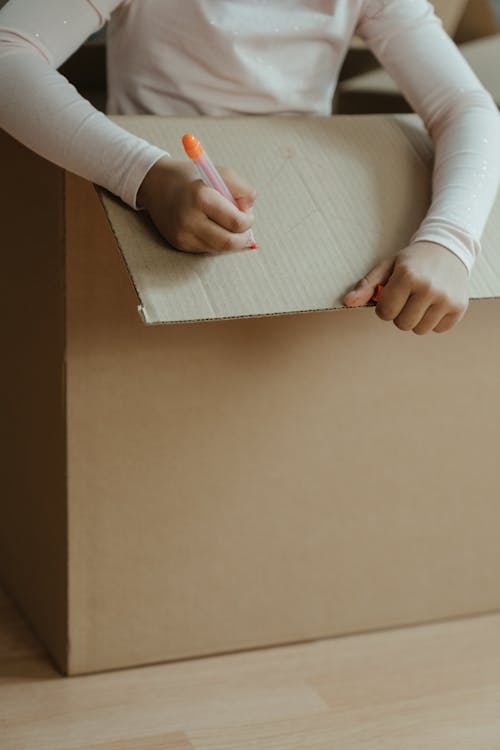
x=209 y=174
x=377 y=293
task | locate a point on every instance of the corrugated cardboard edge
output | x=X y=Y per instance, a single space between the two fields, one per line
x=141 y=309
x=409 y=126
x=100 y=192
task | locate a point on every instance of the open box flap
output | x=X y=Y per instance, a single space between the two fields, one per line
x=335 y=196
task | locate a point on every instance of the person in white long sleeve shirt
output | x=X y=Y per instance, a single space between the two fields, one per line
x=257 y=57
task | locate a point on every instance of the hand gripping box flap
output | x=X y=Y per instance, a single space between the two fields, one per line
x=335 y=196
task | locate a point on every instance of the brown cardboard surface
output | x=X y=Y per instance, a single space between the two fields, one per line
x=479 y=20
x=483 y=55
x=33 y=551
x=266 y=480
x=450 y=12
x=213 y=486
x=315 y=178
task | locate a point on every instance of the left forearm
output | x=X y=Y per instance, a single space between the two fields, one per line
x=466 y=174
x=458 y=113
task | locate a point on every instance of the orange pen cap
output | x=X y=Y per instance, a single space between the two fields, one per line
x=378 y=292
x=192 y=146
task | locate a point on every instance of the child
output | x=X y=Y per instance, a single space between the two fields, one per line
x=226 y=57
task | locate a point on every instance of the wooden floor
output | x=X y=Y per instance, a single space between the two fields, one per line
x=433 y=687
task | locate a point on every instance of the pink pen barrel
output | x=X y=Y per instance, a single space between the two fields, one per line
x=210 y=175
x=213 y=178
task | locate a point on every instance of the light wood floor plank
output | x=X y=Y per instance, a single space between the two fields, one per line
x=466 y=722
x=173 y=741
x=428 y=687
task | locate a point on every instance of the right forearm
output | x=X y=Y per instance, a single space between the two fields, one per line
x=40 y=108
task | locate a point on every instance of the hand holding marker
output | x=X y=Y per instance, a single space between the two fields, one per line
x=209 y=174
x=211 y=177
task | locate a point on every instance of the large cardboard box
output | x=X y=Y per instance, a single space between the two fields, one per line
x=480 y=19
x=254 y=465
x=451 y=13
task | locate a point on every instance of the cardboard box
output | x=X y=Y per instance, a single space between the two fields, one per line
x=258 y=475
x=376 y=92
x=451 y=13
x=479 y=20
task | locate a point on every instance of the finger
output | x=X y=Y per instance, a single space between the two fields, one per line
x=221 y=211
x=448 y=322
x=212 y=238
x=431 y=319
x=394 y=297
x=414 y=309
x=364 y=289
x=243 y=193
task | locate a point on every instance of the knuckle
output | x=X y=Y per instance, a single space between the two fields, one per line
x=201 y=197
x=197 y=188
x=404 y=273
x=443 y=327
x=383 y=313
x=423 y=286
x=180 y=238
x=401 y=325
x=236 y=224
x=201 y=202
x=227 y=243
x=443 y=301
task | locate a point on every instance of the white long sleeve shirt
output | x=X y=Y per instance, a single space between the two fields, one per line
x=227 y=57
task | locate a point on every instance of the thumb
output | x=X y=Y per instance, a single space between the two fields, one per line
x=243 y=193
x=365 y=289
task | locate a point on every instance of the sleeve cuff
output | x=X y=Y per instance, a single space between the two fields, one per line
x=147 y=156
x=454 y=239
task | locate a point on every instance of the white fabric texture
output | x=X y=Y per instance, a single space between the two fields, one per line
x=218 y=57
